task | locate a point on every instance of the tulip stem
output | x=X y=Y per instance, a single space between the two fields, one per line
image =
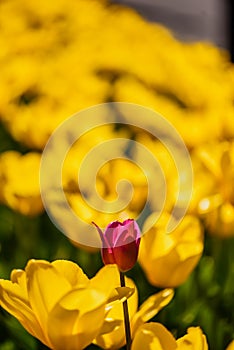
x=126 y=315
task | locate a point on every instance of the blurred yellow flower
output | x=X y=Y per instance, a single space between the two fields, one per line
x=58 y=304
x=116 y=338
x=168 y=258
x=19 y=182
x=170 y=179
x=125 y=60
x=213 y=195
x=154 y=336
x=122 y=169
x=96 y=197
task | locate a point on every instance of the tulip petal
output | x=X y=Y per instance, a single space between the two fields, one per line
x=152 y=336
x=120 y=295
x=108 y=256
x=110 y=325
x=104 y=239
x=12 y=299
x=130 y=232
x=72 y=272
x=231 y=346
x=78 y=316
x=125 y=256
x=45 y=287
x=151 y=307
x=112 y=232
x=116 y=338
x=106 y=280
x=19 y=276
x=194 y=339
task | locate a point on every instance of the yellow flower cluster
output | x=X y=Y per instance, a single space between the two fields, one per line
x=73 y=54
x=65 y=59
x=56 y=301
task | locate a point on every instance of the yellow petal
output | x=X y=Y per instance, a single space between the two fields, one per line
x=110 y=325
x=231 y=346
x=120 y=295
x=106 y=280
x=19 y=277
x=153 y=336
x=72 y=272
x=115 y=339
x=45 y=287
x=76 y=319
x=194 y=339
x=12 y=299
x=151 y=307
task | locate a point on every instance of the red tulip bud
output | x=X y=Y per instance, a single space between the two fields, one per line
x=120 y=243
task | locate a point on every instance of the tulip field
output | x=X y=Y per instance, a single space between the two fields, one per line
x=116 y=182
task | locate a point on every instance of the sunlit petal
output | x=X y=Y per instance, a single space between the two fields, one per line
x=78 y=316
x=12 y=299
x=151 y=307
x=153 y=336
x=194 y=339
x=45 y=287
x=72 y=272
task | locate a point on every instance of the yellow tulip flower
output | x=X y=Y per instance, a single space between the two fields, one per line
x=168 y=258
x=123 y=169
x=19 y=182
x=154 y=336
x=115 y=338
x=57 y=303
x=36 y=84
x=213 y=196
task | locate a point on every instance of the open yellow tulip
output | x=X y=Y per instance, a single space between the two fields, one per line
x=168 y=259
x=58 y=304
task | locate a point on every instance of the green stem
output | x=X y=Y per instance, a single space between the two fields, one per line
x=126 y=315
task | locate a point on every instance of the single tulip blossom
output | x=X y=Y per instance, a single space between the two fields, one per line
x=120 y=243
x=169 y=259
x=58 y=304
